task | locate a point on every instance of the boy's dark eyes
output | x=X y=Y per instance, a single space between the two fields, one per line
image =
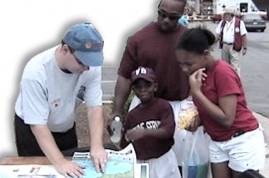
x=188 y=64
x=145 y=85
x=185 y=64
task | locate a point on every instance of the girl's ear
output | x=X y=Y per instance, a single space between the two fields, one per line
x=65 y=48
x=155 y=86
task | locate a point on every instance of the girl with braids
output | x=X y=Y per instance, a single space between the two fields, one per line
x=219 y=97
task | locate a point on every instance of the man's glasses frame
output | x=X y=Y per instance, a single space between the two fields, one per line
x=171 y=16
x=77 y=60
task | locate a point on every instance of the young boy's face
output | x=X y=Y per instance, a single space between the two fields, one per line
x=144 y=90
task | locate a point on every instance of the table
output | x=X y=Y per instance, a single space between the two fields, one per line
x=20 y=160
x=42 y=160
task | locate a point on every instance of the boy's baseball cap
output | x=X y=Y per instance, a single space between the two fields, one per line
x=86 y=42
x=143 y=73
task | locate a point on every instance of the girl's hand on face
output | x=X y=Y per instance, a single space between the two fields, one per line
x=196 y=79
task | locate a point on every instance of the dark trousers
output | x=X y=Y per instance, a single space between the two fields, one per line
x=27 y=145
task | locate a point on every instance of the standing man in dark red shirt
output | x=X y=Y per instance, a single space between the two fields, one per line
x=153 y=46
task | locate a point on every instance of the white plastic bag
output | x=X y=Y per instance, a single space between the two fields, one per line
x=195 y=154
x=180 y=109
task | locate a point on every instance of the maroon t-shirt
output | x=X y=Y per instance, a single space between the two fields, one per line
x=221 y=81
x=153 y=48
x=156 y=114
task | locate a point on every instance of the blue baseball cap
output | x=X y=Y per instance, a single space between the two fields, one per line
x=86 y=42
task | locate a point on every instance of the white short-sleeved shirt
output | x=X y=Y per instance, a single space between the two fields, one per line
x=228 y=30
x=49 y=96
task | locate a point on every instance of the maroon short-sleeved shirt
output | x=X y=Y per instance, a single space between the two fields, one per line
x=222 y=81
x=157 y=114
x=153 y=48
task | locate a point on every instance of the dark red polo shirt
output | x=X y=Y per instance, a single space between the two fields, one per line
x=221 y=81
x=153 y=48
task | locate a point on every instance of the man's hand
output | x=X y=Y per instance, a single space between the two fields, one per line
x=49 y=147
x=109 y=122
x=244 y=51
x=96 y=126
x=99 y=157
x=69 y=168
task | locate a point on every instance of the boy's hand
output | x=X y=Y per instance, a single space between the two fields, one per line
x=135 y=134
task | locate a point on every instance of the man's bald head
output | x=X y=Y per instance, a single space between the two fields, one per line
x=173 y=1
x=169 y=11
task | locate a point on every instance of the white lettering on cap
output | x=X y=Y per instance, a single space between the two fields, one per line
x=140 y=70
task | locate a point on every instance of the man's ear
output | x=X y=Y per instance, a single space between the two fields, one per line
x=65 y=48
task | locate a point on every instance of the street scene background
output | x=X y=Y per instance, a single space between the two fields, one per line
x=254 y=73
x=254 y=69
x=254 y=76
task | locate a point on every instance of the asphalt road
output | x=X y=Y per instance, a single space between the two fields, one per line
x=254 y=71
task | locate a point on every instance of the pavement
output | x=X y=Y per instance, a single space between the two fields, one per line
x=264 y=121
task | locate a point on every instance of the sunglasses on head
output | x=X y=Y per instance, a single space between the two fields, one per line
x=164 y=14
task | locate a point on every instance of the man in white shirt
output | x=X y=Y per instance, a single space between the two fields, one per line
x=231 y=32
x=53 y=84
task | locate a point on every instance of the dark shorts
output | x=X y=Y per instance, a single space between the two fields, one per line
x=27 y=145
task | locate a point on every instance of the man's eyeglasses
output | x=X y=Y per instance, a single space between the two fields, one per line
x=80 y=63
x=77 y=60
x=164 y=14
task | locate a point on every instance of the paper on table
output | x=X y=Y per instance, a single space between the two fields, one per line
x=120 y=163
x=28 y=171
x=123 y=161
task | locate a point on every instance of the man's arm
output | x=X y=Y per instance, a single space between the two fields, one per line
x=96 y=126
x=51 y=150
x=244 y=44
x=122 y=91
x=243 y=32
x=218 y=30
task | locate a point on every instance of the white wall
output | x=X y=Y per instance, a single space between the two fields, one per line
x=29 y=26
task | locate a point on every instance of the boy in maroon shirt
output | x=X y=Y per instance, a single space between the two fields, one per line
x=150 y=127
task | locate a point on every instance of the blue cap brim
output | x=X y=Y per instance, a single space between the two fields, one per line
x=90 y=58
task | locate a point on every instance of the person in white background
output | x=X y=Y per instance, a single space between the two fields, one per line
x=29 y=23
x=232 y=35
